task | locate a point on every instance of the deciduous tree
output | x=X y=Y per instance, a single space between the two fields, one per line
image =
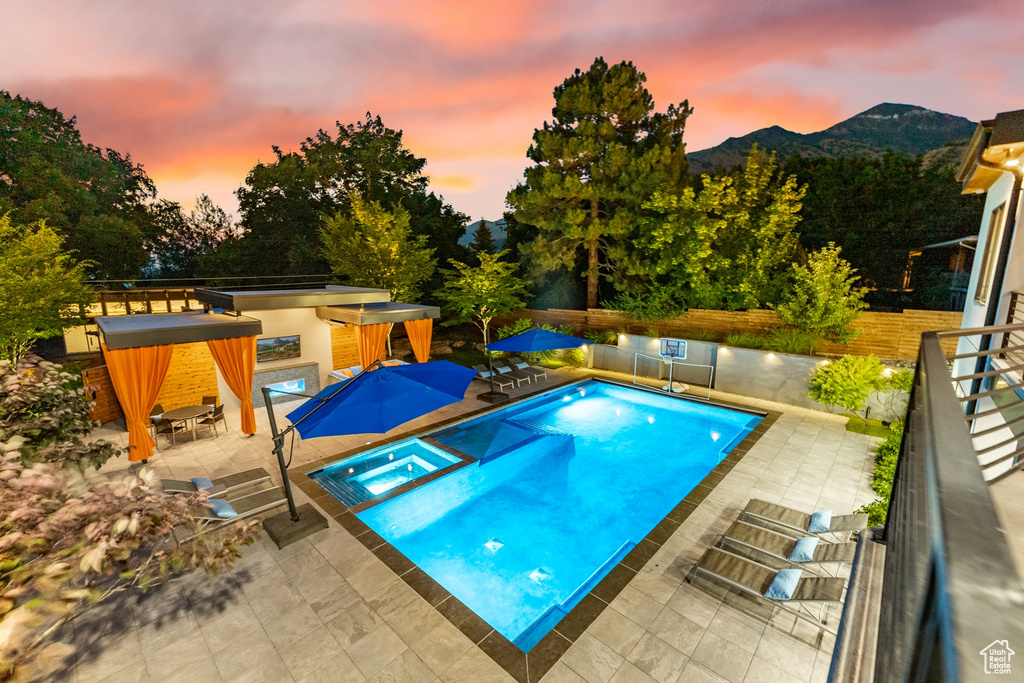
x=372 y=247
x=187 y=237
x=479 y=293
x=824 y=300
x=282 y=202
x=42 y=292
x=724 y=245
x=603 y=154
x=98 y=200
x=70 y=539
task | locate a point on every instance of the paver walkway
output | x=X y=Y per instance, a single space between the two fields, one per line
x=326 y=609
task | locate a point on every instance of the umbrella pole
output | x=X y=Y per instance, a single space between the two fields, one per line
x=279 y=449
x=490 y=366
x=293 y=525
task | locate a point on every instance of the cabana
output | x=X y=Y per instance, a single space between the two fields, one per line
x=138 y=348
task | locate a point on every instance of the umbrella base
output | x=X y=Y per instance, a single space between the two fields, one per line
x=283 y=531
x=493 y=397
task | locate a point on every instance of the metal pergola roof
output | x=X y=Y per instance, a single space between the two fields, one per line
x=154 y=329
x=274 y=299
x=374 y=313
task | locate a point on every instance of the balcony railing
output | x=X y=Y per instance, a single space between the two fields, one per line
x=949 y=586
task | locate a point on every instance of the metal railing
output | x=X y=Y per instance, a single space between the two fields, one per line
x=950 y=588
x=991 y=393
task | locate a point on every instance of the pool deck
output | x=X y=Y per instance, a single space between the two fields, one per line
x=329 y=609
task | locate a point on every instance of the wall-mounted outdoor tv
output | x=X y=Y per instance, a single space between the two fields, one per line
x=277 y=348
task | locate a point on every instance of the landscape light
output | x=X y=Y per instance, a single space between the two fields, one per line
x=584 y=348
x=622 y=338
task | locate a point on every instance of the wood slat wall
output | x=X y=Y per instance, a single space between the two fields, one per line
x=105 y=406
x=191 y=375
x=887 y=335
x=344 y=349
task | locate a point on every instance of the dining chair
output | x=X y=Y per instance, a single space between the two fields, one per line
x=210 y=400
x=167 y=428
x=217 y=415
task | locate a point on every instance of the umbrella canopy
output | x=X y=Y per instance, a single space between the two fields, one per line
x=536 y=340
x=377 y=401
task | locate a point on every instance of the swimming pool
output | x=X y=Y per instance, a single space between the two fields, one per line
x=566 y=485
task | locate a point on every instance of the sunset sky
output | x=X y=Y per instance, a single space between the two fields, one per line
x=199 y=91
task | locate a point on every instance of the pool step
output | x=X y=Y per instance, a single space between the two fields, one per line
x=346 y=493
x=554 y=614
x=536 y=426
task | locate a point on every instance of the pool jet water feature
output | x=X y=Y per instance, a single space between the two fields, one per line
x=299 y=522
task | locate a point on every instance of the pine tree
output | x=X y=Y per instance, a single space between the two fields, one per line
x=603 y=155
x=483 y=242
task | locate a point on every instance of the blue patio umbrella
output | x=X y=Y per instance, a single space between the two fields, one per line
x=536 y=340
x=377 y=401
x=527 y=342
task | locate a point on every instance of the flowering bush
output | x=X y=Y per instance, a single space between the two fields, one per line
x=70 y=537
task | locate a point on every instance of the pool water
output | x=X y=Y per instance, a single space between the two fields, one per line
x=375 y=472
x=567 y=483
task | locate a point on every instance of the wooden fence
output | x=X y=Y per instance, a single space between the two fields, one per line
x=893 y=336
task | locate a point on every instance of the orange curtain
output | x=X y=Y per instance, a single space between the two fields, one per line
x=370 y=339
x=137 y=375
x=236 y=360
x=420 y=332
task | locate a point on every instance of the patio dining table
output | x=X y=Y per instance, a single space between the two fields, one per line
x=188 y=413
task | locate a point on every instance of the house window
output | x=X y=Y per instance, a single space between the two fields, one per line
x=988 y=260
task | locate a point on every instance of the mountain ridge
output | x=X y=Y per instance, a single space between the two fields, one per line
x=905 y=128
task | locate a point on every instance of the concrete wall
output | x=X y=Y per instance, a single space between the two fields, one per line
x=772 y=376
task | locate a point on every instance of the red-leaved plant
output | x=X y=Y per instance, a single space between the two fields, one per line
x=71 y=537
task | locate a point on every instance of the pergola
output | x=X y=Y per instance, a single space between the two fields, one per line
x=138 y=348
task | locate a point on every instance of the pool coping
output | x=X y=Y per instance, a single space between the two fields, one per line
x=522 y=666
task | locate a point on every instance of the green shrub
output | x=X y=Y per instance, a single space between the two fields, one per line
x=701 y=335
x=652 y=332
x=846 y=383
x=887 y=454
x=574 y=357
x=893 y=385
x=788 y=340
x=744 y=340
x=517 y=326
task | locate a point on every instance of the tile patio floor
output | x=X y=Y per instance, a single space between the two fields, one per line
x=327 y=609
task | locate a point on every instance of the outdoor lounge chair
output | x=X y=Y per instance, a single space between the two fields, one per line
x=245 y=506
x=753 y=580
x=523 y=366
x=223 y=485
x=500 y=382
x=518 y=375
x=795 y=522
x=781 y=548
